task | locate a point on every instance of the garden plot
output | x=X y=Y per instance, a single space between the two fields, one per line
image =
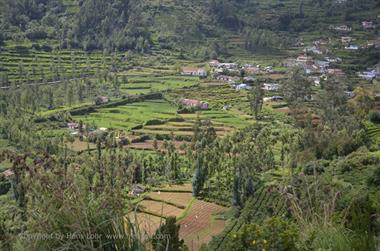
x=149 y=145
x=200 y=225
x=174 y=198
x=159 y=208
x=146 y=223
x=128 y=116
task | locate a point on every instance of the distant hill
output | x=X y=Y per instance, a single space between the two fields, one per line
x=207 y=26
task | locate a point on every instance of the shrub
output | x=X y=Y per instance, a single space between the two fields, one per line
x=274 y=234
x=154 y=122
x=374 y=180
x=374 y=116
x=313 y=166
x=141 y=138
x=167 y=237
x=46 y=48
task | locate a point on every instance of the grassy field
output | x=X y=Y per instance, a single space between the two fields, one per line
x=135 y=114
x=131 y=115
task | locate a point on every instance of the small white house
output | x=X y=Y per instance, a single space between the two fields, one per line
x=271 y=87
x=242 y=87
x=352 y=47
x=192 y=71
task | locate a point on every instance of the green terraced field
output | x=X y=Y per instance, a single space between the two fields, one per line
x=131 y=115
x=373 y=130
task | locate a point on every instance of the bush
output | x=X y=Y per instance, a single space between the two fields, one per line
x=358 y=160
x=167 y=237
x=46 y=48
x=36 y=34
x=1 y=39
x=186 y=110
x=21 y=49
x=154 y=122
x=176 y=119
x=138 y=127
x=274 y=234
x=374 y=180
x=314 y=166
x=140 y=139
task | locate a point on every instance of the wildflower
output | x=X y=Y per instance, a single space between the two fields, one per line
x=234 y=235
x=263 y=249
x=254 y=242
x=265 y=241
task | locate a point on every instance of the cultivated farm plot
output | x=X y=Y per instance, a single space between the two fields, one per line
x=148 y=145
x=179 y=199
x=159 y=208
x=147 y=224
x=174 y=188
x=200 y=226
x=127 y=116
x=78 y=145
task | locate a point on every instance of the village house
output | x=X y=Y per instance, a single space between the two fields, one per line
x=333 y=60
x=303 y=60
x=195 y=104
x=290 y=62
x=229 y=79
x=346 y=40
x=341 y=28
x=352 y=47
x=193 y=71
x=251 y=69
x=72 y=125
x=322 y=64
x=102 y=100
x=273 y=98
x=241 y=87
x=249 y=79
x=269 y=69
x=373 y=43
x=335 y=72
x=214 y=63
x=368 y=25
x=321 y=42
x=310 y=69
x=316 y=80
x=317 y=50
x=271 y=87
x=228 y=66
x=368 y=75
x=137 y=189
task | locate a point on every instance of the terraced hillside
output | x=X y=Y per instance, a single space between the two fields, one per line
x=198 y=219
x=373 y=130
x=25 y=63
x=159 y=120
x=265 y=202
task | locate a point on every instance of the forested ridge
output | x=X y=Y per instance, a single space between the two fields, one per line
x=144 y=25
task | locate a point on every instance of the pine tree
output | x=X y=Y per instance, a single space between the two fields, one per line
x=167 y=238
x=197 y=179
x=255 y=98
